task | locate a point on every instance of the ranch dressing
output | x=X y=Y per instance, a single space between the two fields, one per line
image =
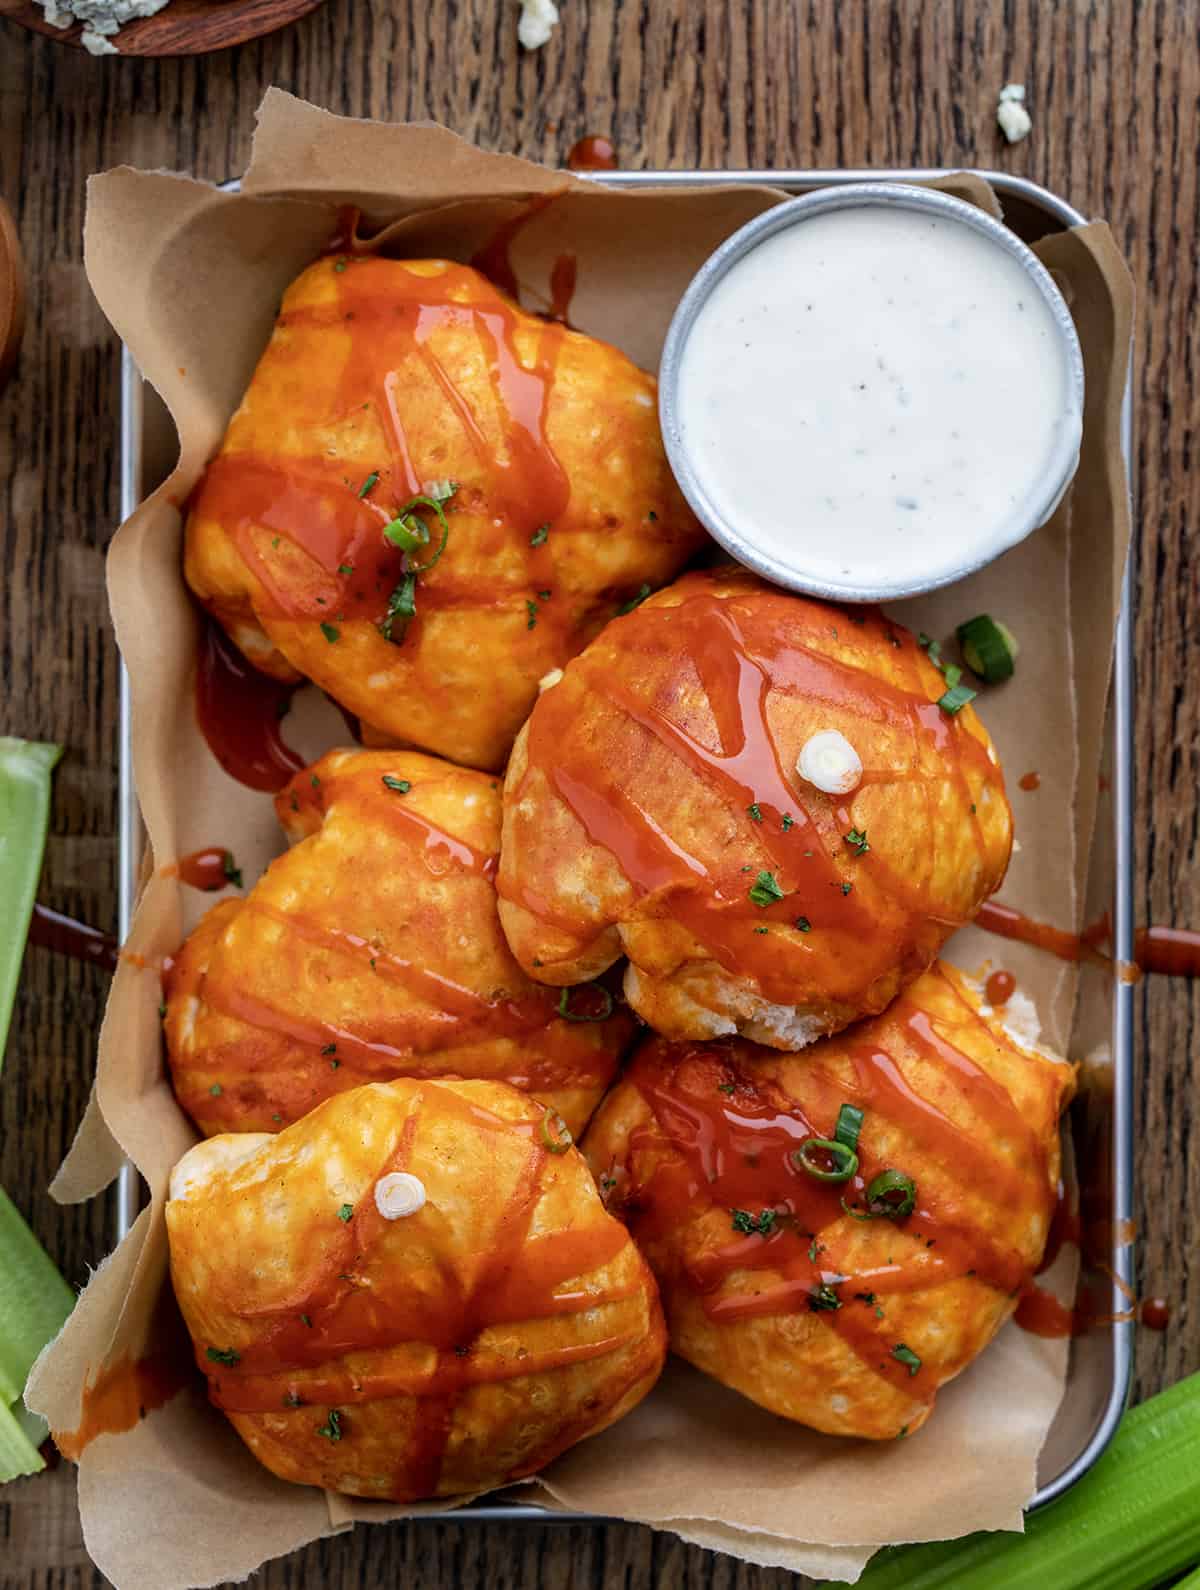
x=874 y=396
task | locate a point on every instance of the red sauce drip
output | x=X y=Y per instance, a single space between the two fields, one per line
x=1029 y=781
x=594 y=153
x=313 y=542
x=204 y=869
x=807 y=855
x=1000 y=988
x=50 y=930
x=562 y=287
x=1174 y=952
x=1065 y=1226
x=1043 y=1315
x=494 y=259
x=1010 y=924
x=735 y=1138
x=521 y=1278
x=1155 y=1313
x=239 y=712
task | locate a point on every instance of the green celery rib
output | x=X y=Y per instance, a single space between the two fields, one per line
x=1127 y=1525
x=21 y=1433
x=34 y=1298
x=25 y=769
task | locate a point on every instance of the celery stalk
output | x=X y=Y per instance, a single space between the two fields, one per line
x=34 y=1298
x=25 y=769
x=1129 y=1524
x=34 y=1301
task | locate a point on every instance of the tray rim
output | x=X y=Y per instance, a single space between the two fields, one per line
x=1005 y=184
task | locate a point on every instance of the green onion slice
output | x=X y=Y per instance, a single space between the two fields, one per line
x=849 y=1125
x=565 y=997
x=956 y=698
x=891 y=1196
x=988 y=648
x=814 y=1156
x=555 y=1133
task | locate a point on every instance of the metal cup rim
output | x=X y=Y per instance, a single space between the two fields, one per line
x=1033 y=512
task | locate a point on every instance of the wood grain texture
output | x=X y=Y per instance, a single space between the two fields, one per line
x=1114 y=90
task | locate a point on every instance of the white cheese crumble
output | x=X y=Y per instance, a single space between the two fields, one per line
x=100 y=18
x=1014 y=119
x=399 y=1194
x=539 y=18
x=828 y=761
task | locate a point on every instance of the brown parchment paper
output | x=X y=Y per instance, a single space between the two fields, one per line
x=190 y=277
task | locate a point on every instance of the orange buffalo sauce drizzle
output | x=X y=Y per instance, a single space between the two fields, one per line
x=811 y=863
x=1172 y=952
x=454 y=1014
x=202 y=869
x=736 y=1152
x=383 y=327
x=348 y=1305
x=121 y=1395
x=127 y=1390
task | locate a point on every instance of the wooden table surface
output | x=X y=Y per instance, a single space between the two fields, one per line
x=1114 y=91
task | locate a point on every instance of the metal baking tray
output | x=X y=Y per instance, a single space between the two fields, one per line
x=1101 y=1119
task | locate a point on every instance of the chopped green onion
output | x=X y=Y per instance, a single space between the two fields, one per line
x=823 y=1298
x=223 y=1355
x=531 y=614
x=905 y=1355
x=952 y=673
x=891 y=1196
x=804 y=924
x=555 y=1133
x=400 y=785
x=332 y=1428
x=371 y=480
x=636 y=600
x=954 y=700
x=539 y=535
x=567 y=994
x=345 y=1212
x=857 y=840
x=330 y=632
x=409 y=531
x=765 y=890
x=815 y=1153
x=402 y=604
x=849 y=1125
x=988 y=648
x=755 y=813
x=231 y=869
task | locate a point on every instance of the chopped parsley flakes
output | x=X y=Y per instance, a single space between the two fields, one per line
x=765 y=890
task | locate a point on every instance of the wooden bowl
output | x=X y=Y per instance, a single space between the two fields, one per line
x=185 y=27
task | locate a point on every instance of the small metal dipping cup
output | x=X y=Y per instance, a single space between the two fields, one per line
x=738 y=539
